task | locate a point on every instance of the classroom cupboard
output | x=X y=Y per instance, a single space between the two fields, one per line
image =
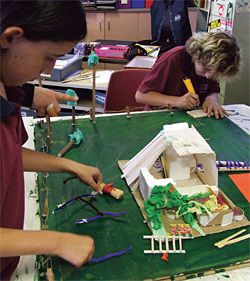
x=118 y=25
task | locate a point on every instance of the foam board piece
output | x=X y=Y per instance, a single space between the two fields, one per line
x=186 y=150
x=186 y=140
x=191 y=190
x=178 y=167
x=205 y=220
x=147 y=182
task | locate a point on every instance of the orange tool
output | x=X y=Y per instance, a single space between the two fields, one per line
x=189 y=85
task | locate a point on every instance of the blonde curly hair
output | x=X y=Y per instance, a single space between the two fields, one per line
x=217 y=50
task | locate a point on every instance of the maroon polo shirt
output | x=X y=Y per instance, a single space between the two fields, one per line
x=168 y=72
x=12 y=137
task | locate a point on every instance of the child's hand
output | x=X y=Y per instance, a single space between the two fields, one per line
x=188 y=101
x=212 y=107
x=88 y=174
x=44 y=97
x=76 y=249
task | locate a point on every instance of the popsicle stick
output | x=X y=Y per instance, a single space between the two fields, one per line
x=244 y=237
x=223 y=242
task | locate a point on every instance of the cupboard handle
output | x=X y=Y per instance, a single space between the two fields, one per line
x=108 y=26
x=100 y=25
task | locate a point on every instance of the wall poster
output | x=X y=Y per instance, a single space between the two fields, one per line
x=221 y=15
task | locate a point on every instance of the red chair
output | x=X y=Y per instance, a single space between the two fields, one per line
x=122 y=87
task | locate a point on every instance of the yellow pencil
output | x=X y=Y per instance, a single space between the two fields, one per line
x=189 y=86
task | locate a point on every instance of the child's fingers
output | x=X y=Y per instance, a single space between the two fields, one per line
x=64 y=97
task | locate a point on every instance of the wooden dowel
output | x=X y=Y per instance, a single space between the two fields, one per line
x=93 y=96
x=40 y=81
x=66 y=148
x=73 y=118
x=128 y=112
x=47 y=118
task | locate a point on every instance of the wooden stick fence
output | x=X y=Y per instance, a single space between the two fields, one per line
x=165 y=244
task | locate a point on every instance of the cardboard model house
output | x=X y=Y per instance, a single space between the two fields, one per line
x=189 y=164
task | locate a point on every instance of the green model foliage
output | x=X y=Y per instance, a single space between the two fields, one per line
x=168 y=197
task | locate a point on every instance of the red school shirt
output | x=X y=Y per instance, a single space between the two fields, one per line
x=168 y=72
x=12 y=137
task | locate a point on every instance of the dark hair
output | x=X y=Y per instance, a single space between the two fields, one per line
x=45 y=19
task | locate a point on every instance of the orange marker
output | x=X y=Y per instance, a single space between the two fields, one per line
x=189 y=86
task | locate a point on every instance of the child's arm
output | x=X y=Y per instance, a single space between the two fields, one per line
x=76 y=249
x=187 y=101
x=41 y=162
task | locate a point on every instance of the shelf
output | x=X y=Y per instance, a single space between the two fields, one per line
x=102 y=80
x=83 y=88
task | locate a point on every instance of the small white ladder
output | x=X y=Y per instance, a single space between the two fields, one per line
x=166 y=244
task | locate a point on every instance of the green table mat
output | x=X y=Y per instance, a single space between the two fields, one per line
x=113 y=138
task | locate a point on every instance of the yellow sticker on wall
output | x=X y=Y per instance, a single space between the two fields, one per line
x=214 y=24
